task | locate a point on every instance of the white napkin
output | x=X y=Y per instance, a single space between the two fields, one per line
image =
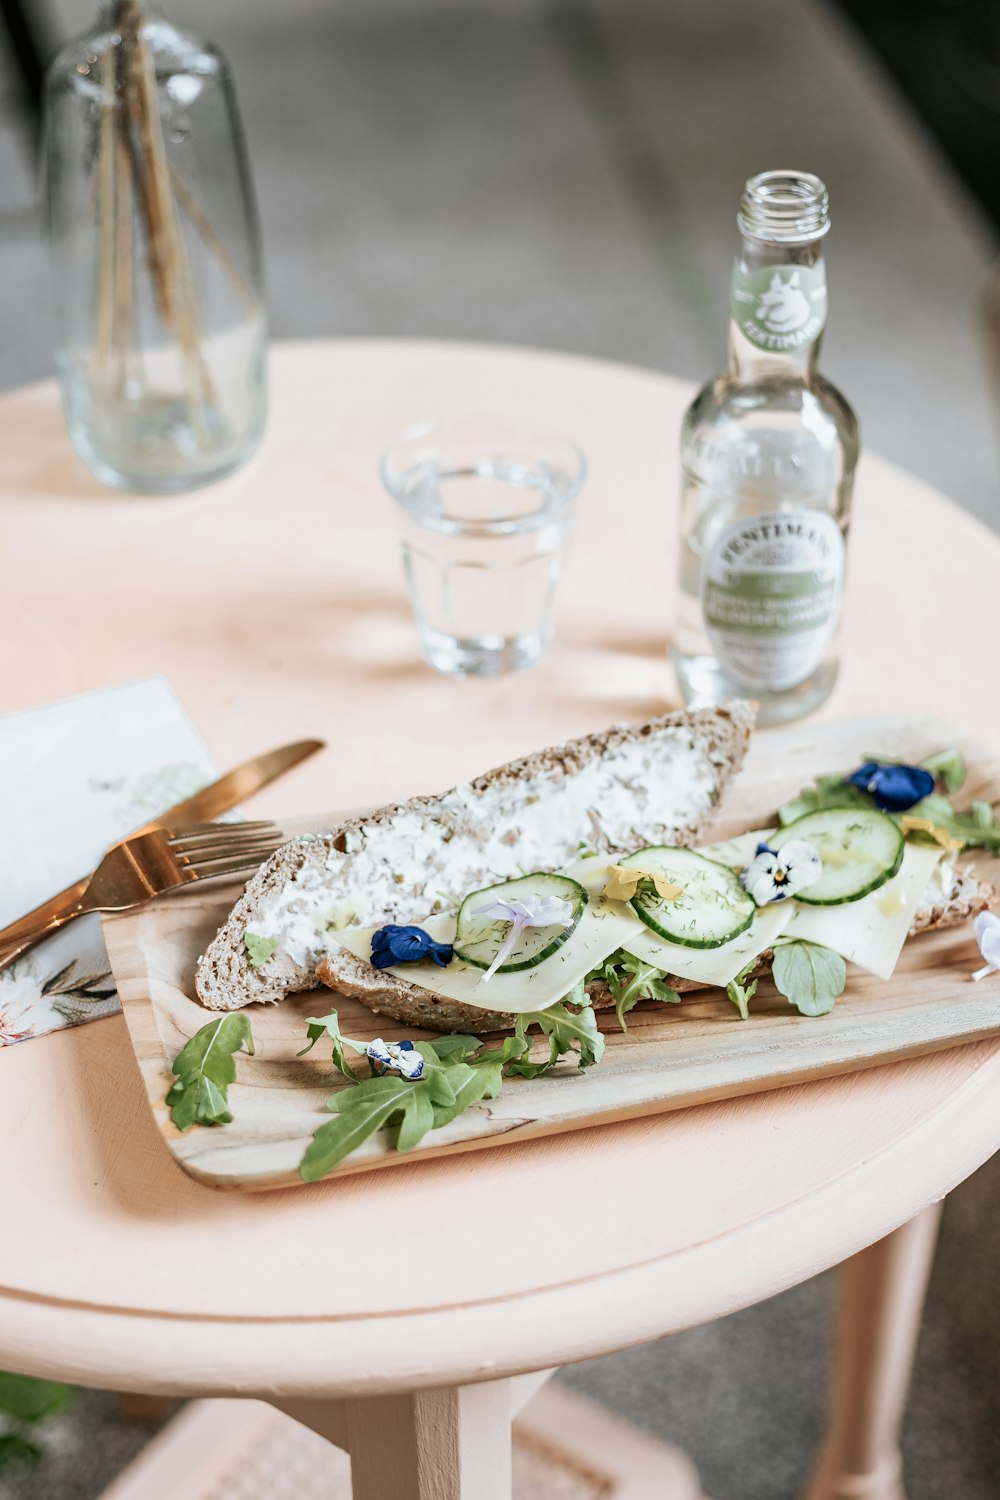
x=76 y=776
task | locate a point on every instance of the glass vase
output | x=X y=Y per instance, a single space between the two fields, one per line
x=160 y=326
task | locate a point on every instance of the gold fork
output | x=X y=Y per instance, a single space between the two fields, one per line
x=165 y=859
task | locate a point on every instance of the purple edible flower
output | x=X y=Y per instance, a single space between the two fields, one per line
x=407 y=945
x=892 y=788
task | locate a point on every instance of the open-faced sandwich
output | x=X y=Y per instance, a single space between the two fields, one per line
x=416 y=861
x=575 y=881
x=578 y=868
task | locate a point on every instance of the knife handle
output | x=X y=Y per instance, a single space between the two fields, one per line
x=16 y=946
x=12 y=938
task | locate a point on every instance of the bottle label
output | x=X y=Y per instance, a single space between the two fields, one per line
x=779 y=307
x=771 y=590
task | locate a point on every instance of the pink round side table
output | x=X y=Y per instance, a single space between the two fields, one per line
x=422 y=1301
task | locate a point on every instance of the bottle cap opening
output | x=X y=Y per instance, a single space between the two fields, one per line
x=788 y=208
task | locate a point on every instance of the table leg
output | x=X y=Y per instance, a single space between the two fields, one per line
x=882 y=1296
x=451 y=1444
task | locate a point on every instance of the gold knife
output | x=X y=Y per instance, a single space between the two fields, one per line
x=220 y=797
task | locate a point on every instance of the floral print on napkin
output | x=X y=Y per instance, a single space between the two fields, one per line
x=32 y=1003
x=76 y=776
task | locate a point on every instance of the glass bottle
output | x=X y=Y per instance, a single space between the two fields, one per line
x=768 y=452
x=160 y=324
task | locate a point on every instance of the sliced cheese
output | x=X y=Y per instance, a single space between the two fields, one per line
x=714 y=966
x=738 y=852
x=602 y=928
x=710 y=966
x=871 y=932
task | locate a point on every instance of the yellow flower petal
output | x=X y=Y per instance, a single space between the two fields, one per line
x=623 y=882
x=949 y=843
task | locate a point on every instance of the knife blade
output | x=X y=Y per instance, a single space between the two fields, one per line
x=210 y=802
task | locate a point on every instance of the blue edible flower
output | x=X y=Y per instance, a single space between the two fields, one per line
x=892 y=788
x=407 y=945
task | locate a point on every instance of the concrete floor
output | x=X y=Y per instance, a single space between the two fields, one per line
x=566 y=174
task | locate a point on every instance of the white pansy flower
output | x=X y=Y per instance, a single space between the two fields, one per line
x=987 y=930
x=776 y=874
x=533 y=911
x=395 y=1057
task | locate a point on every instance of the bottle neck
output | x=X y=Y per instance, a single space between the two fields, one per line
x=777 y=310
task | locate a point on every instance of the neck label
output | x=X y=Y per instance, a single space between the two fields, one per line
x=779 y=307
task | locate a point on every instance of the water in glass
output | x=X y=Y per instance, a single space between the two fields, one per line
x=484 y=540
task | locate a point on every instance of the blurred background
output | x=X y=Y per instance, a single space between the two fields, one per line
x=565 y=173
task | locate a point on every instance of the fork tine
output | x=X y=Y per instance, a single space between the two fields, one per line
x=193 y=859
x=199 y=848
x=258 y=848
x=193 y=833
x=235 y=866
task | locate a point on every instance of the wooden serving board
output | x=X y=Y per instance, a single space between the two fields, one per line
x=671 y=1055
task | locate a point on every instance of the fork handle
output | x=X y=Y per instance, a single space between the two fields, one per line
x=14 y=949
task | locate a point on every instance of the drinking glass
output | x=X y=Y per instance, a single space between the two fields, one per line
x=487 y=513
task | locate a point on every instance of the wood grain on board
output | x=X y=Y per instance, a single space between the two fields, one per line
x=671 y=1056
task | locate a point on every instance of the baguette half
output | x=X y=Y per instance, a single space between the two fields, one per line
x=612 y=792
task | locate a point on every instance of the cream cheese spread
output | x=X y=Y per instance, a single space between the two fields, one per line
x=426 y=859
x=941 y=888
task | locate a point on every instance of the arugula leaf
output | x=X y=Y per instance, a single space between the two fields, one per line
x=829 y=791
x=740 y=993
x=982 y=815
x=509 y=1050
x=471 y=1084
x=567 y=1031
x=205 y=1068
x=948 y=767
x=198 y=1101
x=418 y=1113
x=809 y=976
x=978 y=828
x=630 y=980
x=370 y=1105
x=259 y=948
x=444 y=1049
x=320 y=1026
x=360 y=1111
x=459 y=1071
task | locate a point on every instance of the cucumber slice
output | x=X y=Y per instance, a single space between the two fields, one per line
x=713 y=907
x=861 y=849
x=478 y=939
